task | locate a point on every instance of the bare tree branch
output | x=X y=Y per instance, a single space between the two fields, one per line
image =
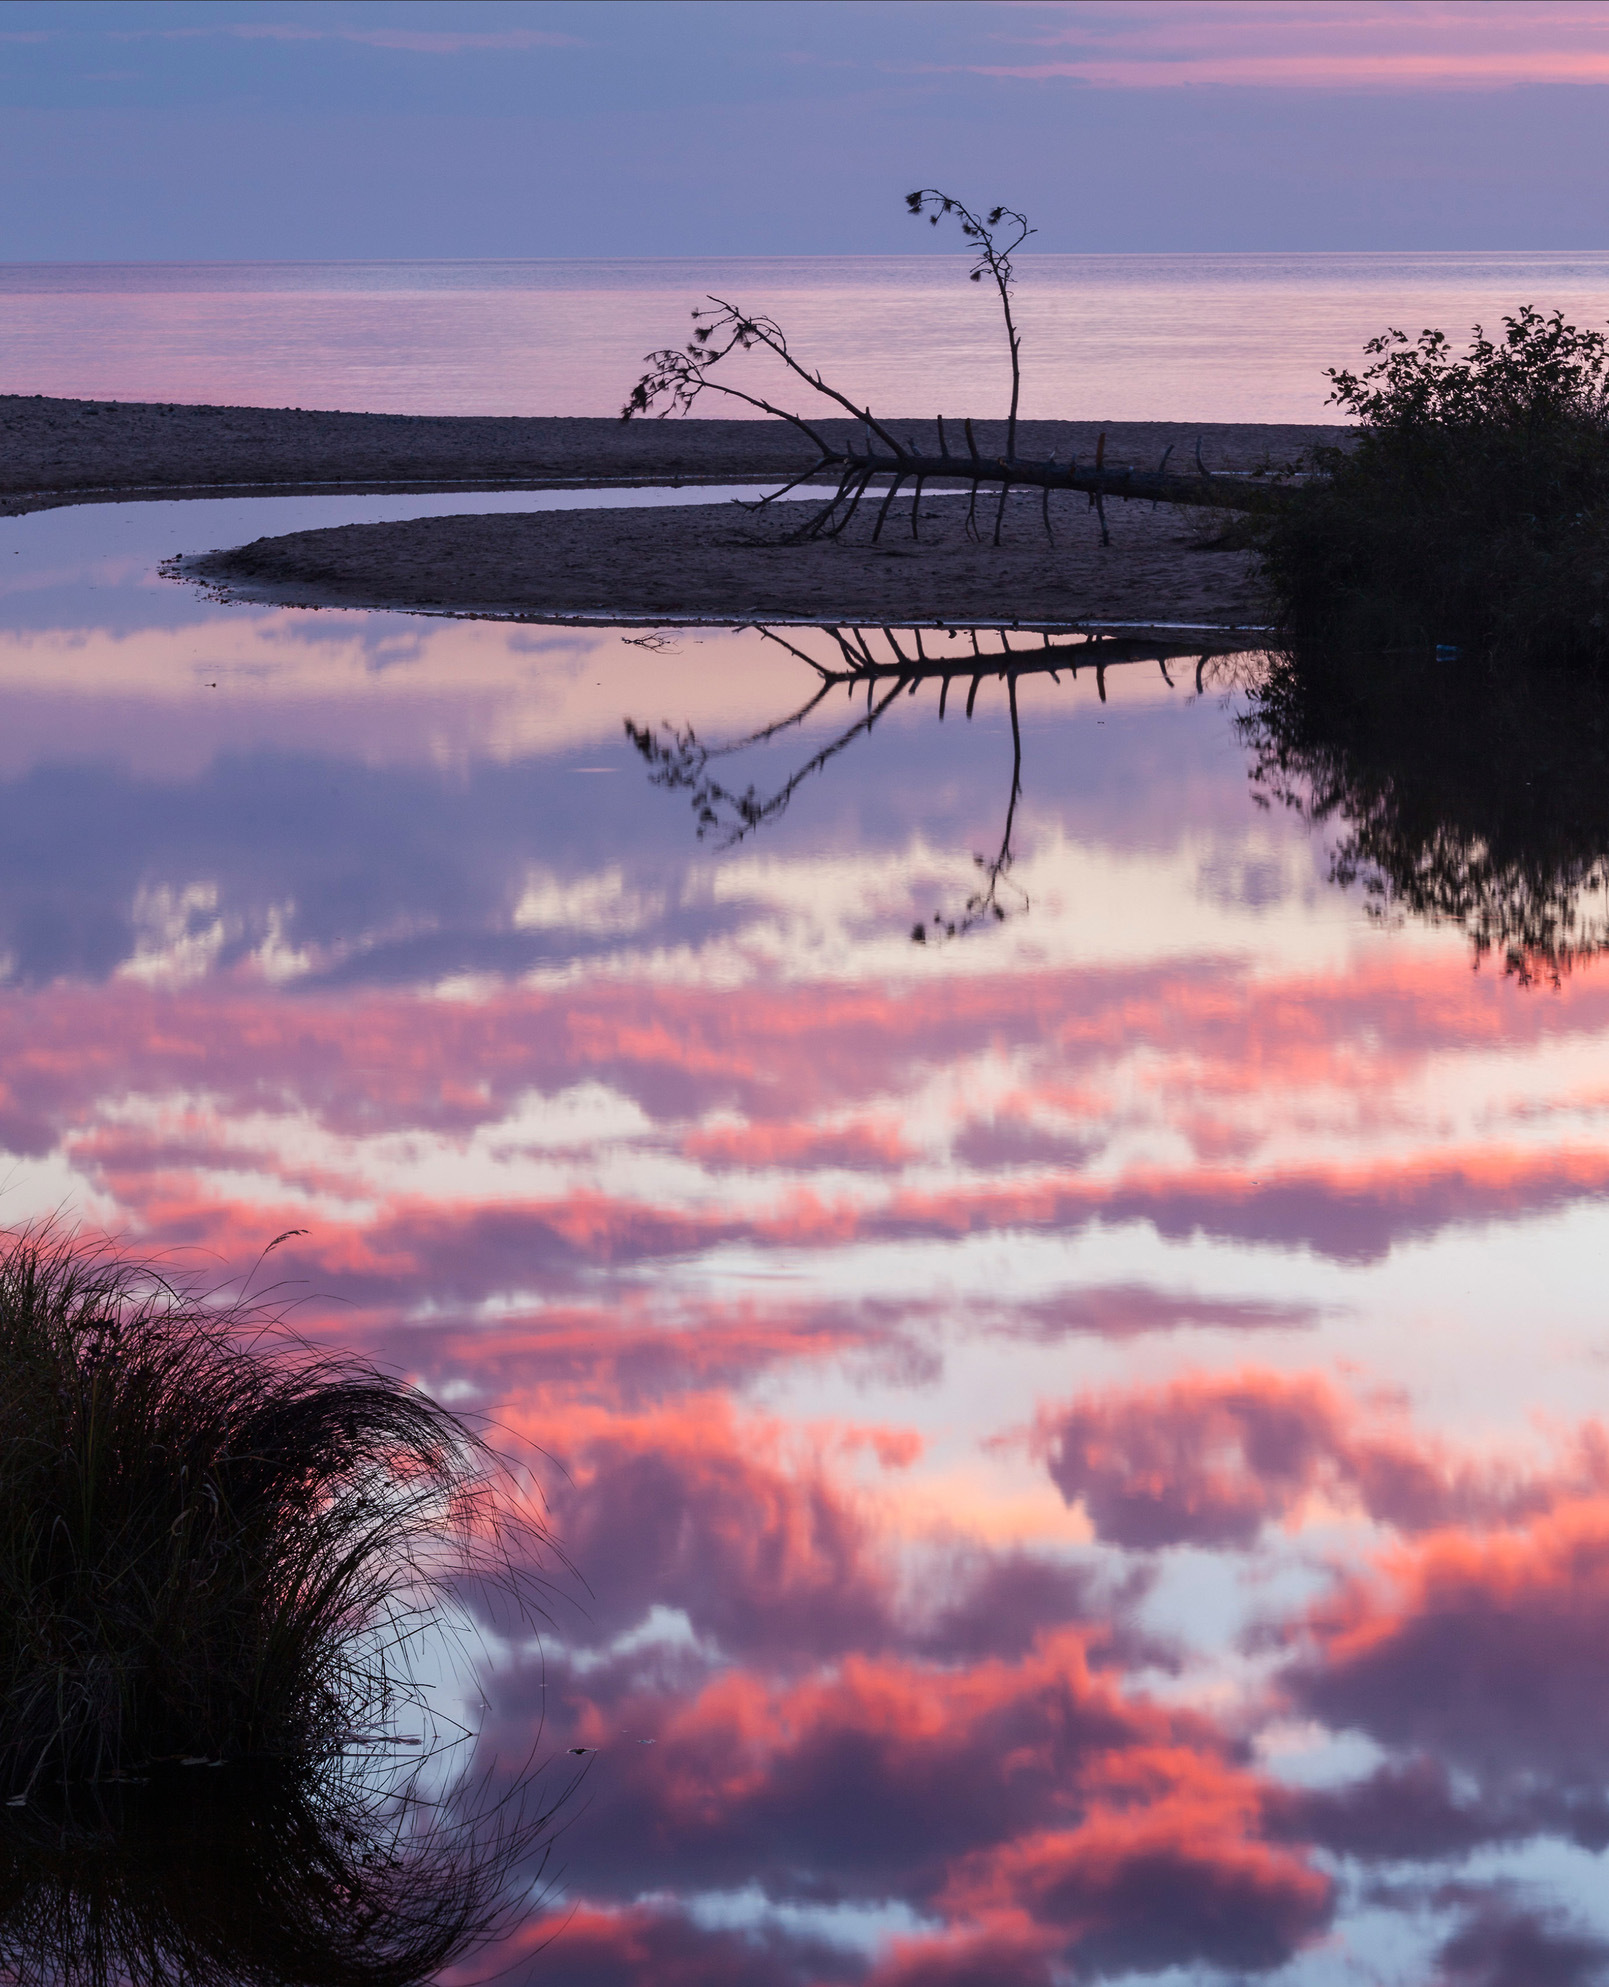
x=994 y=255
x=676 y=378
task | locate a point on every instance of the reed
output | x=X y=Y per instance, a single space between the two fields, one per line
x=214 y=1542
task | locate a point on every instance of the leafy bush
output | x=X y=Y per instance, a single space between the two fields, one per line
x=1473 y=509
x=213 y=1544
x=1467 y=795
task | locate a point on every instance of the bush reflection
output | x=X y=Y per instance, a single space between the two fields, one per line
x=1463 y=795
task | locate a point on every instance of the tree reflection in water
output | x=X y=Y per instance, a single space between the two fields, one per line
x=353 y=1874
x=681 y=761
x=1463 y=795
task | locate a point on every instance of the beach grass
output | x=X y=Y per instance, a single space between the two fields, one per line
x=215 y=1542
x=345 y=1873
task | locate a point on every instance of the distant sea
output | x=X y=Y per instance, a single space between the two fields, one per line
x=1125 y=337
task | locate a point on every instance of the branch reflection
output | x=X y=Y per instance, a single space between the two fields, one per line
x=680 y=761
x=1464 y=796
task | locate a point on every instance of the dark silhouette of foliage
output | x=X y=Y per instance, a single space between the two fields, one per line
x=1473 y=509
x=1473 y=796
x=215 y=1543
x=344 y=1873
x=1543 y=370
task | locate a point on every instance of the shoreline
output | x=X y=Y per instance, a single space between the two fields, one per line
x=56 y=451
x=667 y=564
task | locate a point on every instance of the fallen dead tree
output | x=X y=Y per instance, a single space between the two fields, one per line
x=676 y=378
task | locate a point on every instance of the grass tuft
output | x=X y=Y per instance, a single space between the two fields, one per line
x=344 y=1874
x=1472 y=510
x=214 y=1542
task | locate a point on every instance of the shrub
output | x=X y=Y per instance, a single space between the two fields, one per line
x=213 y=1543
x=1473 y=508
x=1471 y=795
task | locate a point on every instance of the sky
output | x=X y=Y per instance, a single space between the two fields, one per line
x=274 y=129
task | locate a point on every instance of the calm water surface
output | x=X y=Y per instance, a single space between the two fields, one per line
x=1088 y=1440
x=1121 y=337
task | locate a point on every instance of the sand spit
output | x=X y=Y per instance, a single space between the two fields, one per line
x=692 y=562
x=86 y=451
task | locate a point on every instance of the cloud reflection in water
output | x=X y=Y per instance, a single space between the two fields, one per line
x=1087 y=1444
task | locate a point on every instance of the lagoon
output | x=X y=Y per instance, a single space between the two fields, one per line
x=1084 y=1438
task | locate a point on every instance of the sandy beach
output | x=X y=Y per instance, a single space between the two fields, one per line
x=722 y=562
x=660 y=564
x=84 y=451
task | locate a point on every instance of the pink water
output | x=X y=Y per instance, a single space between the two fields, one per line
x=1121 y=337
x=1088 y=1443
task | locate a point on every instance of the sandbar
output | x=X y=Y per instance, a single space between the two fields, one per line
x=723 y=562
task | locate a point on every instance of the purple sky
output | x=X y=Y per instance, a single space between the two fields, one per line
x=178 y=129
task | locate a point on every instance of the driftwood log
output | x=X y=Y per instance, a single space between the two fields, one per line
x=901 y=464
x=675 y=379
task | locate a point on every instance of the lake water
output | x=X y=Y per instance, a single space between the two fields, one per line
x=1087 y=1439
x=1105 y=337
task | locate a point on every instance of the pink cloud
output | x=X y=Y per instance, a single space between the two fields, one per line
x=764 y=1544
x=1031 y=1806
x=862 y=1143
x=1407 y=45
x=1178 y=1876
x=813 y=1080
x=1482 y=1649
x=691 y=1508
x=1210 y=1459
x=592 y=1945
